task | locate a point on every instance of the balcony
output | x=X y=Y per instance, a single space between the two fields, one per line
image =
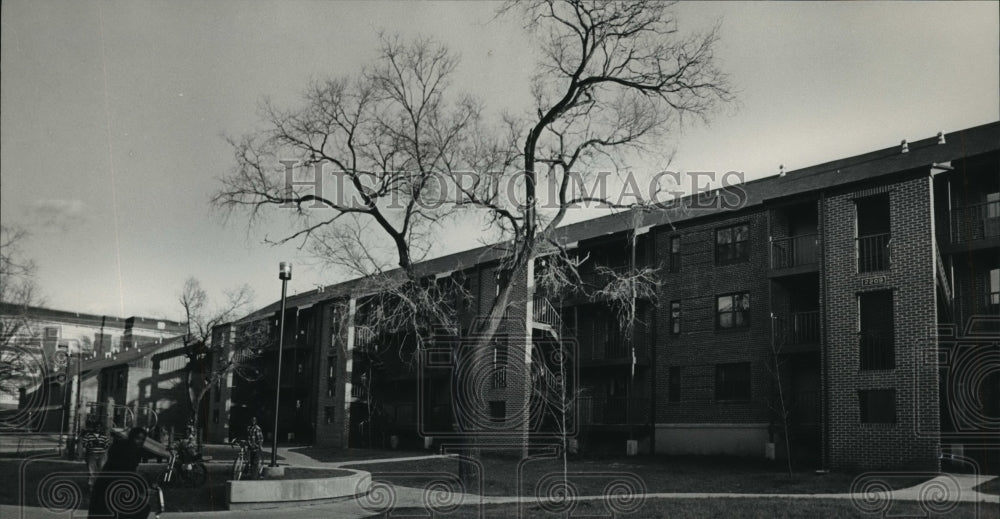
x=795 y=252
x=797 y=329
x=613 y=411
x=976 y=222
x=873 y=252
x=612 y=352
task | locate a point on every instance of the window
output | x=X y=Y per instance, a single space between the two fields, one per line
x=674 y=385
x=331 y=375
x=215 y=416
x=731 y=244
x=328 y=412
x=498 y=410
x=675 y=254
x=499 y=366
x=732 y=381
x=675 y=317
x=733 y=311
x=502 y=278
x=878 y=405
x=993 y=298
x=875 y=330
x=51 y=332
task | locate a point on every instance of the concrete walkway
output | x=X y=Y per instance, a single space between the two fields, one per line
x=943 y=489
x=295 y=459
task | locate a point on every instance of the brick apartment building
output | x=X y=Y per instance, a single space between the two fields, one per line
x=864 y=291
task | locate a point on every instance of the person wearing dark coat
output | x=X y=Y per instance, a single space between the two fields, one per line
x=119 y=476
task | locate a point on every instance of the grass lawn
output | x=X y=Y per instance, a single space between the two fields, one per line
x=721 y=508
x=504 y=477
x=210 y=497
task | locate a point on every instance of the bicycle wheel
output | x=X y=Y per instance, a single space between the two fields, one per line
x=238 y=465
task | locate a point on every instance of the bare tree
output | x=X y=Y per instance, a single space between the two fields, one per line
x=20 y=361
x=613 y=79
x=208 y=361
x=18 y=284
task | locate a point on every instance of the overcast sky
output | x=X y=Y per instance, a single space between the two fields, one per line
x=114 y=113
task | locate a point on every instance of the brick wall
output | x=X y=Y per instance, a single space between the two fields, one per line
x=915 y=379
x=700 y=346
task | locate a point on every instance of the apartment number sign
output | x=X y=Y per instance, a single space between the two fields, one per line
x=872 y=281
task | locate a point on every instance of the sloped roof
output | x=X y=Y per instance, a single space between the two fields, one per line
x=859 y=168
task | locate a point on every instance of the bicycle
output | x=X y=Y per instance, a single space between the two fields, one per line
x=241 y=465
x=183 y=466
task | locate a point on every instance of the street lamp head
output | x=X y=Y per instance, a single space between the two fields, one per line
x=285 y=271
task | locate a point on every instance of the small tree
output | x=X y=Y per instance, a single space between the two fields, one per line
x=780 y=411
x=208 y=362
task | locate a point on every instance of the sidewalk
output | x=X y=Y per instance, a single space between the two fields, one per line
x=947 y=485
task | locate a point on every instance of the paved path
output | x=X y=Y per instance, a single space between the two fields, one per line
x=295 y=459
x=955 y=487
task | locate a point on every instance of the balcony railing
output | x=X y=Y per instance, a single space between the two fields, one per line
x=613 y=411
x=873 y=252
x=797 y=328
x=543 y=312
x=795 y=251
x=975 y=222
x=877 y=350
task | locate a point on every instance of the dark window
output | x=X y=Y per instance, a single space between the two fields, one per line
x=674 y=388
x=675 y=317
x=878 y=405
x=873 y=233
x=675 y=254
x=875 y=330
x=731 y=244
x=732 y=381
x=331 y=375
x=499 y=366
x=733 y=311
x=502 y=278
x=993 y=298
x=328 y=412
x=215 y=416
x=498 y=410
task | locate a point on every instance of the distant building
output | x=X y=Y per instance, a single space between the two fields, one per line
x=114 y=358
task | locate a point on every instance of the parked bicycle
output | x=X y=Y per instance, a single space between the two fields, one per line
x=242 y=468
x=184 y=466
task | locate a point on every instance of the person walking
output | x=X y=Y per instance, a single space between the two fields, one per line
x=119 y=477
x=95 y=443
x=255 y=441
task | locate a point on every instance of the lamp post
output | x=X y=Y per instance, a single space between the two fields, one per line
x=284 y=274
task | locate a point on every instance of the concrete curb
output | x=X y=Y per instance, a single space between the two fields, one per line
x=278 y=493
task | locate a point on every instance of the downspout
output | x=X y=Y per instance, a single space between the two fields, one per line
x=824 y=367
